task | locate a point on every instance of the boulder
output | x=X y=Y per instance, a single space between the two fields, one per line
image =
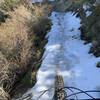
x=98 y=65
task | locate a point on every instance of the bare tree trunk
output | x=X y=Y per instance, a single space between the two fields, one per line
x=60 y=93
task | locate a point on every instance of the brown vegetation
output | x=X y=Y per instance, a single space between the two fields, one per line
x=22 y=38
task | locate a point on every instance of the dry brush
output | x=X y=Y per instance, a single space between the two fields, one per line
x=22 y=38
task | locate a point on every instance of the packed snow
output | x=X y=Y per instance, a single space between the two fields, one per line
x=66 y=54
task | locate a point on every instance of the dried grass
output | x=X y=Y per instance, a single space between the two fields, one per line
x=14 y=36
x=22 y=38
x=18 y=33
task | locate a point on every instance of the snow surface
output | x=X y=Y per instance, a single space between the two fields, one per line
x=88 y=13
x=66 y=55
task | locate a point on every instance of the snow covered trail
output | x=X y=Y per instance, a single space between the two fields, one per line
x=66 y=55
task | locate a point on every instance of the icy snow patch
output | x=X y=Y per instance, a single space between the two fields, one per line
x=66 y=55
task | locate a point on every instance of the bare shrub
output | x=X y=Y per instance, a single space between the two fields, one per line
x=21 y=31
x=14 y=36
x=22 y=38
x=8 y=4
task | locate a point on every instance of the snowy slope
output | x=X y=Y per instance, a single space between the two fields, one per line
x=85 y=73
x=66 y=55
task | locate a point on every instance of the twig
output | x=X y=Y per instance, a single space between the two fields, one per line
x=69 y=88
x=82 y=92
x=44 y=93
x=73 y=93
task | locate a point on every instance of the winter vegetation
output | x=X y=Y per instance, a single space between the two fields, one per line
x=88 y=11
x=21 y=42
x=45 y=39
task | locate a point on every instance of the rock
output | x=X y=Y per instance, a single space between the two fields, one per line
x=86 y=42
x=96 y=51
x=98 y=65
x=92 y=49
